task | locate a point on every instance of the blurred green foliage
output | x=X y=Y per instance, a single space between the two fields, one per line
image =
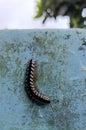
x=54 y=8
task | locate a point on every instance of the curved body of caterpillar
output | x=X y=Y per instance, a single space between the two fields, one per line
x=31 y=90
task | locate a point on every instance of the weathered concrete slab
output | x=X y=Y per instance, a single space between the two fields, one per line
x=60 y=74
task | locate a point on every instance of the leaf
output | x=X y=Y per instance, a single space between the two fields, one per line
x=39 y=12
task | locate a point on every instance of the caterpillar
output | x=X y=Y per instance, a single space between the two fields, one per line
x=30 y=88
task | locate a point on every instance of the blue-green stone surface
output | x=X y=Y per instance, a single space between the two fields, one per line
x=60 y=73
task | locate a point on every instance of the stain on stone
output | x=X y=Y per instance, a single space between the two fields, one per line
x=14 y=90
x=37 y=39
x=14 y=128
x=51 y=121
x=18 y=61
x=8 y=47
x=84 y=41
x=13 y=47
x=67 y=36
x=81 y=48
x=3 y=65
x=65 y=102
x=85 y=81
x=78 y=32
x=46 y=32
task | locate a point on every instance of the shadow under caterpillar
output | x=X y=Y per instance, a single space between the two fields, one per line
x=30 y=88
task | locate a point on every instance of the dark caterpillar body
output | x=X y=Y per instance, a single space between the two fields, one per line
x=31 y=90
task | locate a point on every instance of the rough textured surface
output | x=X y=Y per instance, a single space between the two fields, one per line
x=60 y=74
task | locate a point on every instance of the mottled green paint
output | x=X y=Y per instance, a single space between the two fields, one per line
x=60 y=73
